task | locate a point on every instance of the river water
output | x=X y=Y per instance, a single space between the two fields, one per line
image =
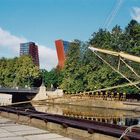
x=112 y=116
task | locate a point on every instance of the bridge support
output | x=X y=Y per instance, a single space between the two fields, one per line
x=5 y=99
x=41 y=95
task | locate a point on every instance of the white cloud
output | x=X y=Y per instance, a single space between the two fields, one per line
x=136 y=13
x=9 y=44
x=48 y=57
x=9 y=47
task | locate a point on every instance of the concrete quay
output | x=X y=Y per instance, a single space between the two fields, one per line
x=9 y=130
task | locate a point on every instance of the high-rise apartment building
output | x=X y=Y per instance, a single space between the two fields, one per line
x=62 y=49
x=30 y=48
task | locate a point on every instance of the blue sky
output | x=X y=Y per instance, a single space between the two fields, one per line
x=44 y=21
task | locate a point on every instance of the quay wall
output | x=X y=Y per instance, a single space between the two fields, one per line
x=76 y=134
x=92 y=102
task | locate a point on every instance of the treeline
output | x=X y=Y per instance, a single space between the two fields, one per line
x=19 y=72
x=84 y=71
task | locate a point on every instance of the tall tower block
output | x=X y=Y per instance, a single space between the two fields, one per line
x=62 y=49
x=30 y=48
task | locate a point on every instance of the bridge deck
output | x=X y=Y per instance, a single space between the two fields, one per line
x=18 y=90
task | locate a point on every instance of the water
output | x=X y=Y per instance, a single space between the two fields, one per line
x=111 y=116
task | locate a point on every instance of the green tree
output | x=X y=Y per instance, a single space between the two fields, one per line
x=26 y=71
x=18 y=72
x=127 y=41
x=72 y=81
x=53 y=77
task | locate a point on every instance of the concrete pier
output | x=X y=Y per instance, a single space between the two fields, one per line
x=5 y=99
x=9 y=130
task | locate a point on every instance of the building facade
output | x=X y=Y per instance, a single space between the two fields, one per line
x=30 y=48
x=62 y=49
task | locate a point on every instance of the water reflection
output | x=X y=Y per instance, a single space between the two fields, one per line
x=111 y=116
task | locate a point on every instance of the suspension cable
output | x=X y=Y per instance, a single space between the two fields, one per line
x=130 y=68
x=119 y=63
x=115 y=69
x=31 y=101
x=113 y=13
x=128 y=129
x=114 y=87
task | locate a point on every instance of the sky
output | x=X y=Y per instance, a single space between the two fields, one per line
x=44 y=21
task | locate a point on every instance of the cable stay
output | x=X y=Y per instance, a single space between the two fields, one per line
x=129 y=129
x=118 y=54
x=113 y=13
x=128 y=57
x=115 y=87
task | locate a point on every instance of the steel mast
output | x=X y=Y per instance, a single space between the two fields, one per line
x=121 y=54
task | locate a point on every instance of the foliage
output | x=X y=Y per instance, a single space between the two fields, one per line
x=72 y=81
x=18 y=72
x=53 y=78
x=84 y=71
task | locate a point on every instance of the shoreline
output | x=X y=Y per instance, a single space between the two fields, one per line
x=97 y=103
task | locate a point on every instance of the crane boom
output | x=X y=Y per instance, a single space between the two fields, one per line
x=121 y=54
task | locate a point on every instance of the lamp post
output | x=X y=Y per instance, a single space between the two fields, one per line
x=43 y=77
x=14 y=80
x=29 y=76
